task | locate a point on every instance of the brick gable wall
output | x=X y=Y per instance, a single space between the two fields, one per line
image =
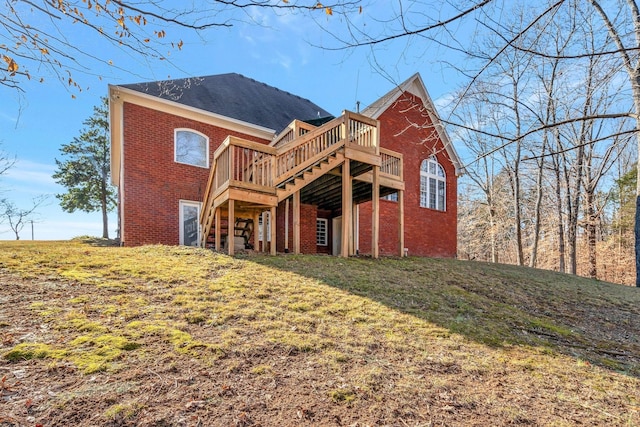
x=153 y=183
x=406 y=128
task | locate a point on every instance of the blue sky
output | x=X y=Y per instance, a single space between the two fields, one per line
x=281 y=51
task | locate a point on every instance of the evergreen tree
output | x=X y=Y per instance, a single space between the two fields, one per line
x=624 y=197
x=84 y=171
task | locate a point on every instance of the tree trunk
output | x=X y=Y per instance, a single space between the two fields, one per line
x=635 y=85
x=591 y=234
x=572 y=222
x=536 y=222
x=637 y=236
x=103 y=207
x=561 y=244
x=105 y=219
x=516 y=180
x=492 y=224
x=105 y=222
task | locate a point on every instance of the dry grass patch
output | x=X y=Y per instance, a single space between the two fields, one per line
x=180 y=336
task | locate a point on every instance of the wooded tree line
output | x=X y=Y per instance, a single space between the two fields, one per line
x=553 y=180
x=551 y=109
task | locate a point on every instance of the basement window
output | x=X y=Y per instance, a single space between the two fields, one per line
x=393 y=197
x=432 y=185
x=322 y=232
x=191 y=148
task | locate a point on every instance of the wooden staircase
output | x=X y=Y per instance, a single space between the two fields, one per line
x=243 y=227
x=256 y=177
x=286 y=189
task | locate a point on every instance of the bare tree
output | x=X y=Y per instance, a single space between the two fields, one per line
x=481 y=175
x=617 y=41
x=6 y=162
x=43 y=38
x=17 y=217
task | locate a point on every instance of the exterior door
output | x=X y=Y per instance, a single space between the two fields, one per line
x=336 y=224
x=189 y=223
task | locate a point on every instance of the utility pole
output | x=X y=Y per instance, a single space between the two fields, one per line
x=32 y=230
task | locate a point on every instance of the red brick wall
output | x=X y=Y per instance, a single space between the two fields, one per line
x=153 y=183
x=308 y=215
x=388 y=238
x=427 y=232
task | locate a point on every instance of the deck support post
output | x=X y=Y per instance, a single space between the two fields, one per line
x=286 y=225
x=375 y=212
x=296 y=222
x=352 y=235
x=401 y=222
x=272 y=224
x=231 y=232
x=264 y=231
x=218 y=221
x=356 y=229
x=256 y=231
x=346 y=207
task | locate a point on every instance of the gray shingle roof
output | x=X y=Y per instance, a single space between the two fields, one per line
x=236 y=96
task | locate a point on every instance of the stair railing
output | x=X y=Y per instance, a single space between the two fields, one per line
x=295 y=129
x=254 y=166
x=351 y=128
x=239 y=163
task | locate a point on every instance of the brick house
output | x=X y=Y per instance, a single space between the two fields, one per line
x=208 y=161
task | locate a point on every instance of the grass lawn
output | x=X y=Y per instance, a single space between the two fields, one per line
x=174 y=336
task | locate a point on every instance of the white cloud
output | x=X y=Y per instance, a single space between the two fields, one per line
x=283 y=60
x=28 y=173
x=443 y=102
x=249 y=39
x=7 y=117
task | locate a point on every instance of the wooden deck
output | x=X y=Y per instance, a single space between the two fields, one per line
x=334 y=166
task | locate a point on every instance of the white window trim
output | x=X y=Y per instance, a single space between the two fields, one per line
x=326 y=231
x=428 y=175
x=175 y=147
x=181 y=205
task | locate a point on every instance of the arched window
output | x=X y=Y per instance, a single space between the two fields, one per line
x=191 y=148
x=432 y=184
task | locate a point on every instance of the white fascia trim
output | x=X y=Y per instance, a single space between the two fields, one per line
x=116 y=136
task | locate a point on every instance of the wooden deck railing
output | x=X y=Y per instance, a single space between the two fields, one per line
x=254 y=166
x=391 y=163
x=361 y=130
x=240 y=163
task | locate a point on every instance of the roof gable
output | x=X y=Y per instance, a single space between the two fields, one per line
x=236 y=96
x=415 y=86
